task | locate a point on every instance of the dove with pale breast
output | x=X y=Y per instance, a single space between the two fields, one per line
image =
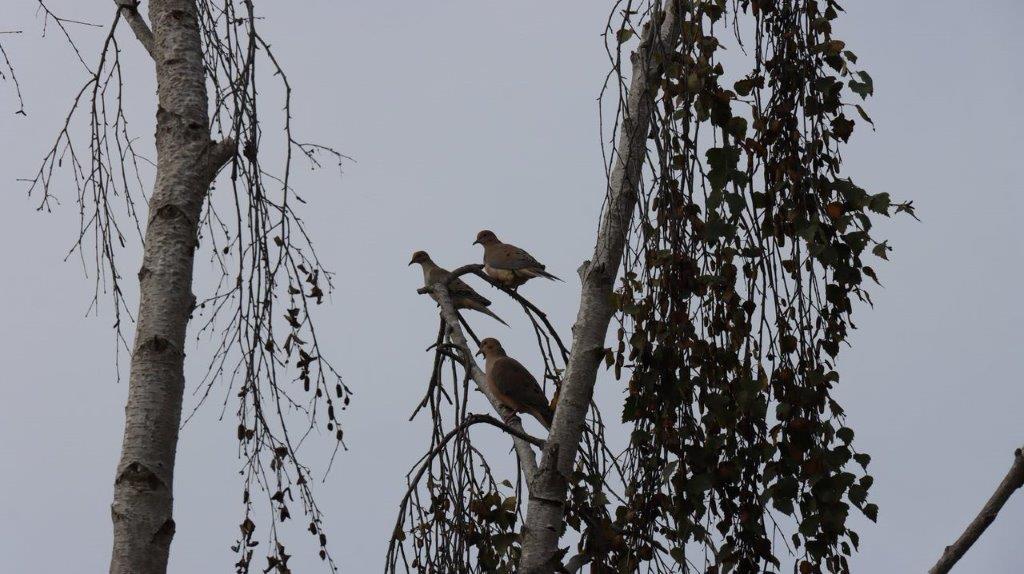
x=512 y=384
x=463 y=296
x=507 y=263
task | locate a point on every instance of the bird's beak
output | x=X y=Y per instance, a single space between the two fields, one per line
x=411 y=262
x=477 y=242
x=480 y=353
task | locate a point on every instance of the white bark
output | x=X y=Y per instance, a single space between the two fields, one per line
x=186 y=163
x=129 y=10
x=545 y=514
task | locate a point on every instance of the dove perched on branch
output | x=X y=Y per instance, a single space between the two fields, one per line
x=509 y=264
x=463 y=296
x=512 y=384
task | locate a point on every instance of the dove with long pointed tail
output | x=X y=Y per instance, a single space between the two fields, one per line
x=463 y=296
x=508 y=264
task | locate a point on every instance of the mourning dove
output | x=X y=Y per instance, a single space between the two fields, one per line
x=463 y=296
x=509 y=264
x=512 y=384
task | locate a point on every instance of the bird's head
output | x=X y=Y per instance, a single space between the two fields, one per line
x=490 y=347
x=485 y=237
x=419 y=257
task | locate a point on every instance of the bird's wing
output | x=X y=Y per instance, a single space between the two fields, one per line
x=510 y=257
x=460 y=288
x=513 y=380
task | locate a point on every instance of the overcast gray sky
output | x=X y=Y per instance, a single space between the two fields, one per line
x=464 y=115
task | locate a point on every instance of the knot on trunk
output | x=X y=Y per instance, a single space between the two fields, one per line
x=169 y=211
x=165 y=533
x=156 y=344
x=140 y=476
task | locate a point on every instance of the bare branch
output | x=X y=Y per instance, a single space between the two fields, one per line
x=10 y=73
x=527 y=458
x=219 y=154
x=1013 y=481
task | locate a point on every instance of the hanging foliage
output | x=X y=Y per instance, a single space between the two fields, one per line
x=748 y=249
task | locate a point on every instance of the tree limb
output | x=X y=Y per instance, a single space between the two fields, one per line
x=1013 y=480
x=130 y=12
x=527 y=458
x=459 y=429
x=218 y=154
x=488 y=419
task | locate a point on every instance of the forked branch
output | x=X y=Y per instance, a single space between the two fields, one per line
x=527 y=458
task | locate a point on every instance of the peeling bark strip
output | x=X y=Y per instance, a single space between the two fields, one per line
x=545 y=513
x=1013 y=481
x=186 y=163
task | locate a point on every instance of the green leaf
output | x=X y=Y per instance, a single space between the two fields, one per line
x=871 y=511
x=737 y=127
x=845 y=434
x=699 y=483
x=857 y=494
x=830 y=48
x=783 y=505
x=788 y=343
x=881 y=249
x=871 y=273
x=744 y=87
x=623 y=35
x=862 y=459
x=880 y=203
x=678 y=555
x=723 y=161
x=866 y=78
x=863 y=88
x=863 y=114
x=809 y=526
x=736 y=203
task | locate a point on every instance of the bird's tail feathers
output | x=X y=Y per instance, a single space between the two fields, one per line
x=544 y=416
x=547 y=275
x=491 y=314
x=479 y=307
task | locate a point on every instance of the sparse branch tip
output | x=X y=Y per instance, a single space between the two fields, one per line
x=219 y=154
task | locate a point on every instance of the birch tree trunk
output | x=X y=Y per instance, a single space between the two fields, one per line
x=186 y=163
x=545 y=514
